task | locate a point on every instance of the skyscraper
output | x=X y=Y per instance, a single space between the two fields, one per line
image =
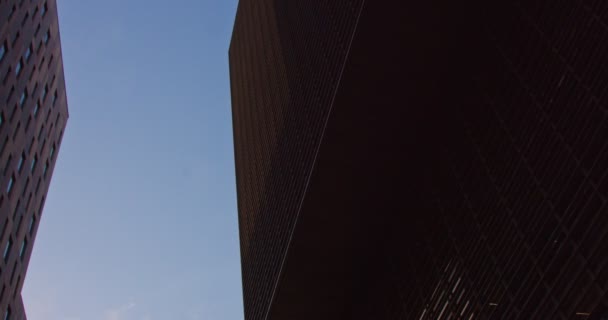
x=32 y=120
x=422 y=159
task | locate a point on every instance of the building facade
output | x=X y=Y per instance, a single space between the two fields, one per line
x=32 y=121
x=422 y=160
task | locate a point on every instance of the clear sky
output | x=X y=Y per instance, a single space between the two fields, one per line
x=140 y=221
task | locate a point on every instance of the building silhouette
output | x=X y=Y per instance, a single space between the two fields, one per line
x=422 y=159
x=33 y=116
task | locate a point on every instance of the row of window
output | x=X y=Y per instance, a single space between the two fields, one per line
x=28 y=53
x=46 y=37
x=35 y=110
x=11 y=181
x=43 y=11
x=25 y=95
x=9 y=245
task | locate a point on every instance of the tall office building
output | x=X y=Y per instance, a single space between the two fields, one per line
x=32 y=119
x=422 y=159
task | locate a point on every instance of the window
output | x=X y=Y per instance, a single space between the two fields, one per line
x=46 y=37
x=32 y=72
x=13 y=273
x=7 y=249
x=52 y=151
x=13 y=9
x=16 y=287
x=6 y=75
x=2 y=51
x=27 y=124
x=36 y=108
x=9 y=188
x=3 y=145
x=7 y=314
x=42 y=145
x=19 y=220
x=19 y=67
x=29 y=201
x=45 y=8
x=23 y=98
x=28 y=53
x=27 y=184
x=1 y=119
x=30 y=229
x=37 y=30
x=31 y=145
x=23 y=248
x=17 y=209
x=44 y=92
x=40 y=132
x=38 y=185
x=20 y=163
x=4 y=227
x=25 y=17
x=33 y=166
x=54 y=97
x=15 y=38
x=14 y=112
x=8 y=163
x=10 y=95
x=16 y=130
x=46 y=167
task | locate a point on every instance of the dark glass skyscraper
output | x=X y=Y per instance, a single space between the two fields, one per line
x=422 y=159
x=32 y=119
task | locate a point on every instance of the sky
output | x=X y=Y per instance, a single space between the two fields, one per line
x=140 y=222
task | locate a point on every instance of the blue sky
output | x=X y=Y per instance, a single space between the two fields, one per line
x=140 y=221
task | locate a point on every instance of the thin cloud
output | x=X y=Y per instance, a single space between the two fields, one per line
x=119 y=313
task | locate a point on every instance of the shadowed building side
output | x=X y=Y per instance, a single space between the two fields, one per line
x=286 y=58
x=456 y=170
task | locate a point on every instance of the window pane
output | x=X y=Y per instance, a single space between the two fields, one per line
x=10 y=185
x=20 y=164
x=23 y=247
x=28 y=53
x=30 y=229
x=34 y=163
x=23 y=98
x=7 y=249
x=2 y=51
x=18 y=68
